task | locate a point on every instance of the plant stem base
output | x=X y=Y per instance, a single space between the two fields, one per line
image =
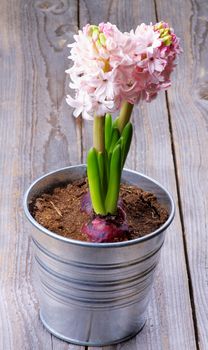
x=85 y=343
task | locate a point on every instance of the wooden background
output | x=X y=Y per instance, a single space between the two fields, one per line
x=39 y=134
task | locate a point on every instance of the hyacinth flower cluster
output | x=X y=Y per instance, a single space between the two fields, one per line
x=112 y=71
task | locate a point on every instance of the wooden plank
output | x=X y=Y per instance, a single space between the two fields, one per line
x=19 y=324
x=35 y=129
x=188 y=103
x=62 y=345
x=169 y=317
x=49 y=27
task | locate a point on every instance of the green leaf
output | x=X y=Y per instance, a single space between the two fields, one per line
x=114 y=139
x=120 y=142
x=95 y=184
x=103 y=171
x=127 y=137
x=115 y=123
x=107 y=168
x=108 y=131
x=114 y=181
x=100 y=158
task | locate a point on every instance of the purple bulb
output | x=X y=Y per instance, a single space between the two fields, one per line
x=102 y=229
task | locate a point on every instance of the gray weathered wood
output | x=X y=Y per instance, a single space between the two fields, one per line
x=39 y=134
x=188 y=101
x=35 y=129
x=19 y=323
x=151 y=153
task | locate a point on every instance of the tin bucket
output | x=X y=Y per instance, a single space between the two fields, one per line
x=94 y=293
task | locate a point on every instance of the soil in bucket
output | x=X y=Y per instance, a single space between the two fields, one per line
x=60 y=211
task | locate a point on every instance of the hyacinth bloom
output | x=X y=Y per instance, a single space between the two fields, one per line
x=111 y=67
x=111 y=72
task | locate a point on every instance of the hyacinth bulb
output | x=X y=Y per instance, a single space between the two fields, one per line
x=105 y=229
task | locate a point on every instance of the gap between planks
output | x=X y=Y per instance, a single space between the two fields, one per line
x=190 y=284
x=79 y=121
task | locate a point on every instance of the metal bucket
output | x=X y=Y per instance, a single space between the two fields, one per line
x=94 y=293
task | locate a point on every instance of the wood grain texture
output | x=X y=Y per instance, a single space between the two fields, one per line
x=47 y=28
x=188 y=101
x=19 y=324
x=169 y=317
x=35 y=129
x=39 y=134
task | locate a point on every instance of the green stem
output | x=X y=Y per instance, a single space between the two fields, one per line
x=124 y=116
x=99 y=133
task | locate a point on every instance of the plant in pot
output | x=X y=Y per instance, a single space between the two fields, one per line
x=94 y=287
